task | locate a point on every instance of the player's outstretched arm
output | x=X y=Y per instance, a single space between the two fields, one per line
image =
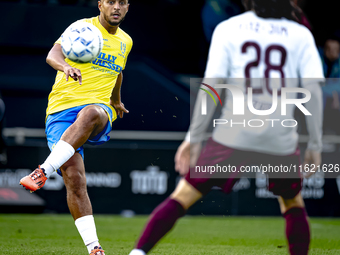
x=314 y=126
x=311 y=72
x=115 y=99
x=56 y=59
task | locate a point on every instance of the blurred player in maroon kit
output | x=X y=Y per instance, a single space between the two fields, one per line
x=265 y=42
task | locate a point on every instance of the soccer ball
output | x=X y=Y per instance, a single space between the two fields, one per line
x=81 y=42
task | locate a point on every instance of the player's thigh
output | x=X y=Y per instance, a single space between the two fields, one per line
x=288 y=203
x=185 y=194
x=217 y=165
x=93 y=114
x=73 y=172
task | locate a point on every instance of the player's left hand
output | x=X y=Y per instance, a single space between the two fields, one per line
x=311 y=158
x=120 y=108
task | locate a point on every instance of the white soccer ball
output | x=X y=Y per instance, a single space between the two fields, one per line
x=81 y=42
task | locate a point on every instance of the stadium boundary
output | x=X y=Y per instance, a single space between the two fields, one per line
x=137 y=135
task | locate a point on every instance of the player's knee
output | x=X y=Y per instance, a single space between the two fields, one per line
x=288 y=203
x=185 y=194
x=74 y=179
x=93 y=114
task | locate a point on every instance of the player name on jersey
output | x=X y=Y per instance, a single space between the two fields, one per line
x=268 y=28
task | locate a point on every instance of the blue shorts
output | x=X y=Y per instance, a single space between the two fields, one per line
x=57 y=123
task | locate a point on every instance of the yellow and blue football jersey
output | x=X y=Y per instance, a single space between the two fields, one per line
x=98 y=77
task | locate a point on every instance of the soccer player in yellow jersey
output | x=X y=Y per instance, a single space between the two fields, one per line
x=84 y=101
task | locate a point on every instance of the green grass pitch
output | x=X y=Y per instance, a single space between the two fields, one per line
x=57 y=234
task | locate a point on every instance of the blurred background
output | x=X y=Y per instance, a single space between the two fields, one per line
x=134 y=171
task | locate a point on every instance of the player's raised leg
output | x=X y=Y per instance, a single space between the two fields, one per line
x=164 y=217
x=297 y=227
x=90 y=121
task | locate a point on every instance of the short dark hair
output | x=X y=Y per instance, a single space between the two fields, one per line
x=276 y=9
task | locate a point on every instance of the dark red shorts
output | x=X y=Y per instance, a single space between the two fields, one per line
x=287 y=185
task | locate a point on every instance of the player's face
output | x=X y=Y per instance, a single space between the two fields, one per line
x=332 y=50
x=113 y=11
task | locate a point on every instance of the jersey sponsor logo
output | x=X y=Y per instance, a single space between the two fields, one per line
x=107 y=57
x=104 y=70
x=107 y=61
